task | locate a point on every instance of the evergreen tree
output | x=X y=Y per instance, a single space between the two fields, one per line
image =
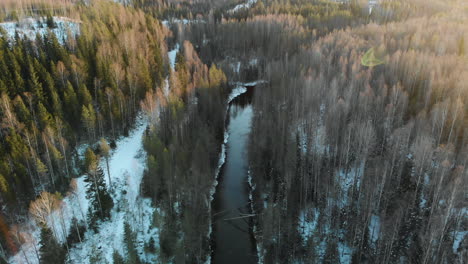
x=45 y=118
x=129 y=239
x=50 y=22
x=100 y=201
x=88 y=117
x=105 y=151
x=77 y=230
x=117 y=258
x=22 y=112
x=84 y=95
x=51 y=252
x=331 y=254
x=71 y=101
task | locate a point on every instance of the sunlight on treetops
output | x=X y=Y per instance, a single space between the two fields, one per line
x=370 y=60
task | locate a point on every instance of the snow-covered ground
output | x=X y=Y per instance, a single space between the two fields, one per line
x=374 y=228
x=181 y=21
x=347 y=179
x=245 y=5
x=172 y=56
x=308 y=224
x=30 y=27
x=127 y=163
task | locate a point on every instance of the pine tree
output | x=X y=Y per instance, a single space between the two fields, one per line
x=331 y=254
x=117 y=258
x=51 y=252
x=45 y=118
x=50 y=22
x=77 y=230
x=35 y=86
x=129 y=239
x=84 y=95
x=100 y=201
x=22 y=111
x=105 y=151
x=71 y=101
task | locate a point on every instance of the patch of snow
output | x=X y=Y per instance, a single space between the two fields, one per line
x=172 y=56
x=345 y=252
x=374 y=228
x=253 y=62
x=236 y=92
x=459 y=236
x=236 y=67
x=167 y=23
x=246 y=5
x=423 y=203
x=30 y=27
x=348 y=179
x=308 y=220
x=254 y=83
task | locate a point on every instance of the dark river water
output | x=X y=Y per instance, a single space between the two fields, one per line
x=233 y=241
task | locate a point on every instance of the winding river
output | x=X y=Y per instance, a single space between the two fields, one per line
x=232 y=239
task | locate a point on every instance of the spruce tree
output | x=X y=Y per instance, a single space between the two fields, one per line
x=77 y=230
x=100 y=201
x=51 y=252
x=129 y=239
x=117 y=258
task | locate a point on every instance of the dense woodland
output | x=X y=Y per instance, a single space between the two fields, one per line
x=183 y=152
x=358 y=147
x=54 y=97
x=338 y=144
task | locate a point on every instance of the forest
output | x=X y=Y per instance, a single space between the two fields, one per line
x=118 y=119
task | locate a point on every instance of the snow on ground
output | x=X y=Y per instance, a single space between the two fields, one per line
x=236 y=92
x=30 y=27
x=166 y=87
x=345 y=252
x=374 y=228
x=236 y=67
x=172 y=56
x=459 y=236
x=307 y=224
x=347 y=179
x=181 y=21
x=127 y=163
x=238 y=7
x=248 y=84
x=74 y=204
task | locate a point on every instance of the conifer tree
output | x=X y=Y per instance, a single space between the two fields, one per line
x=129 y=239
x=51 y=252
x=105 y=151
x=45 y=118
x=117 y=258
x=100 y=201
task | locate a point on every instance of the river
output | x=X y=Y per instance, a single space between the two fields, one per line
x=232 y=239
